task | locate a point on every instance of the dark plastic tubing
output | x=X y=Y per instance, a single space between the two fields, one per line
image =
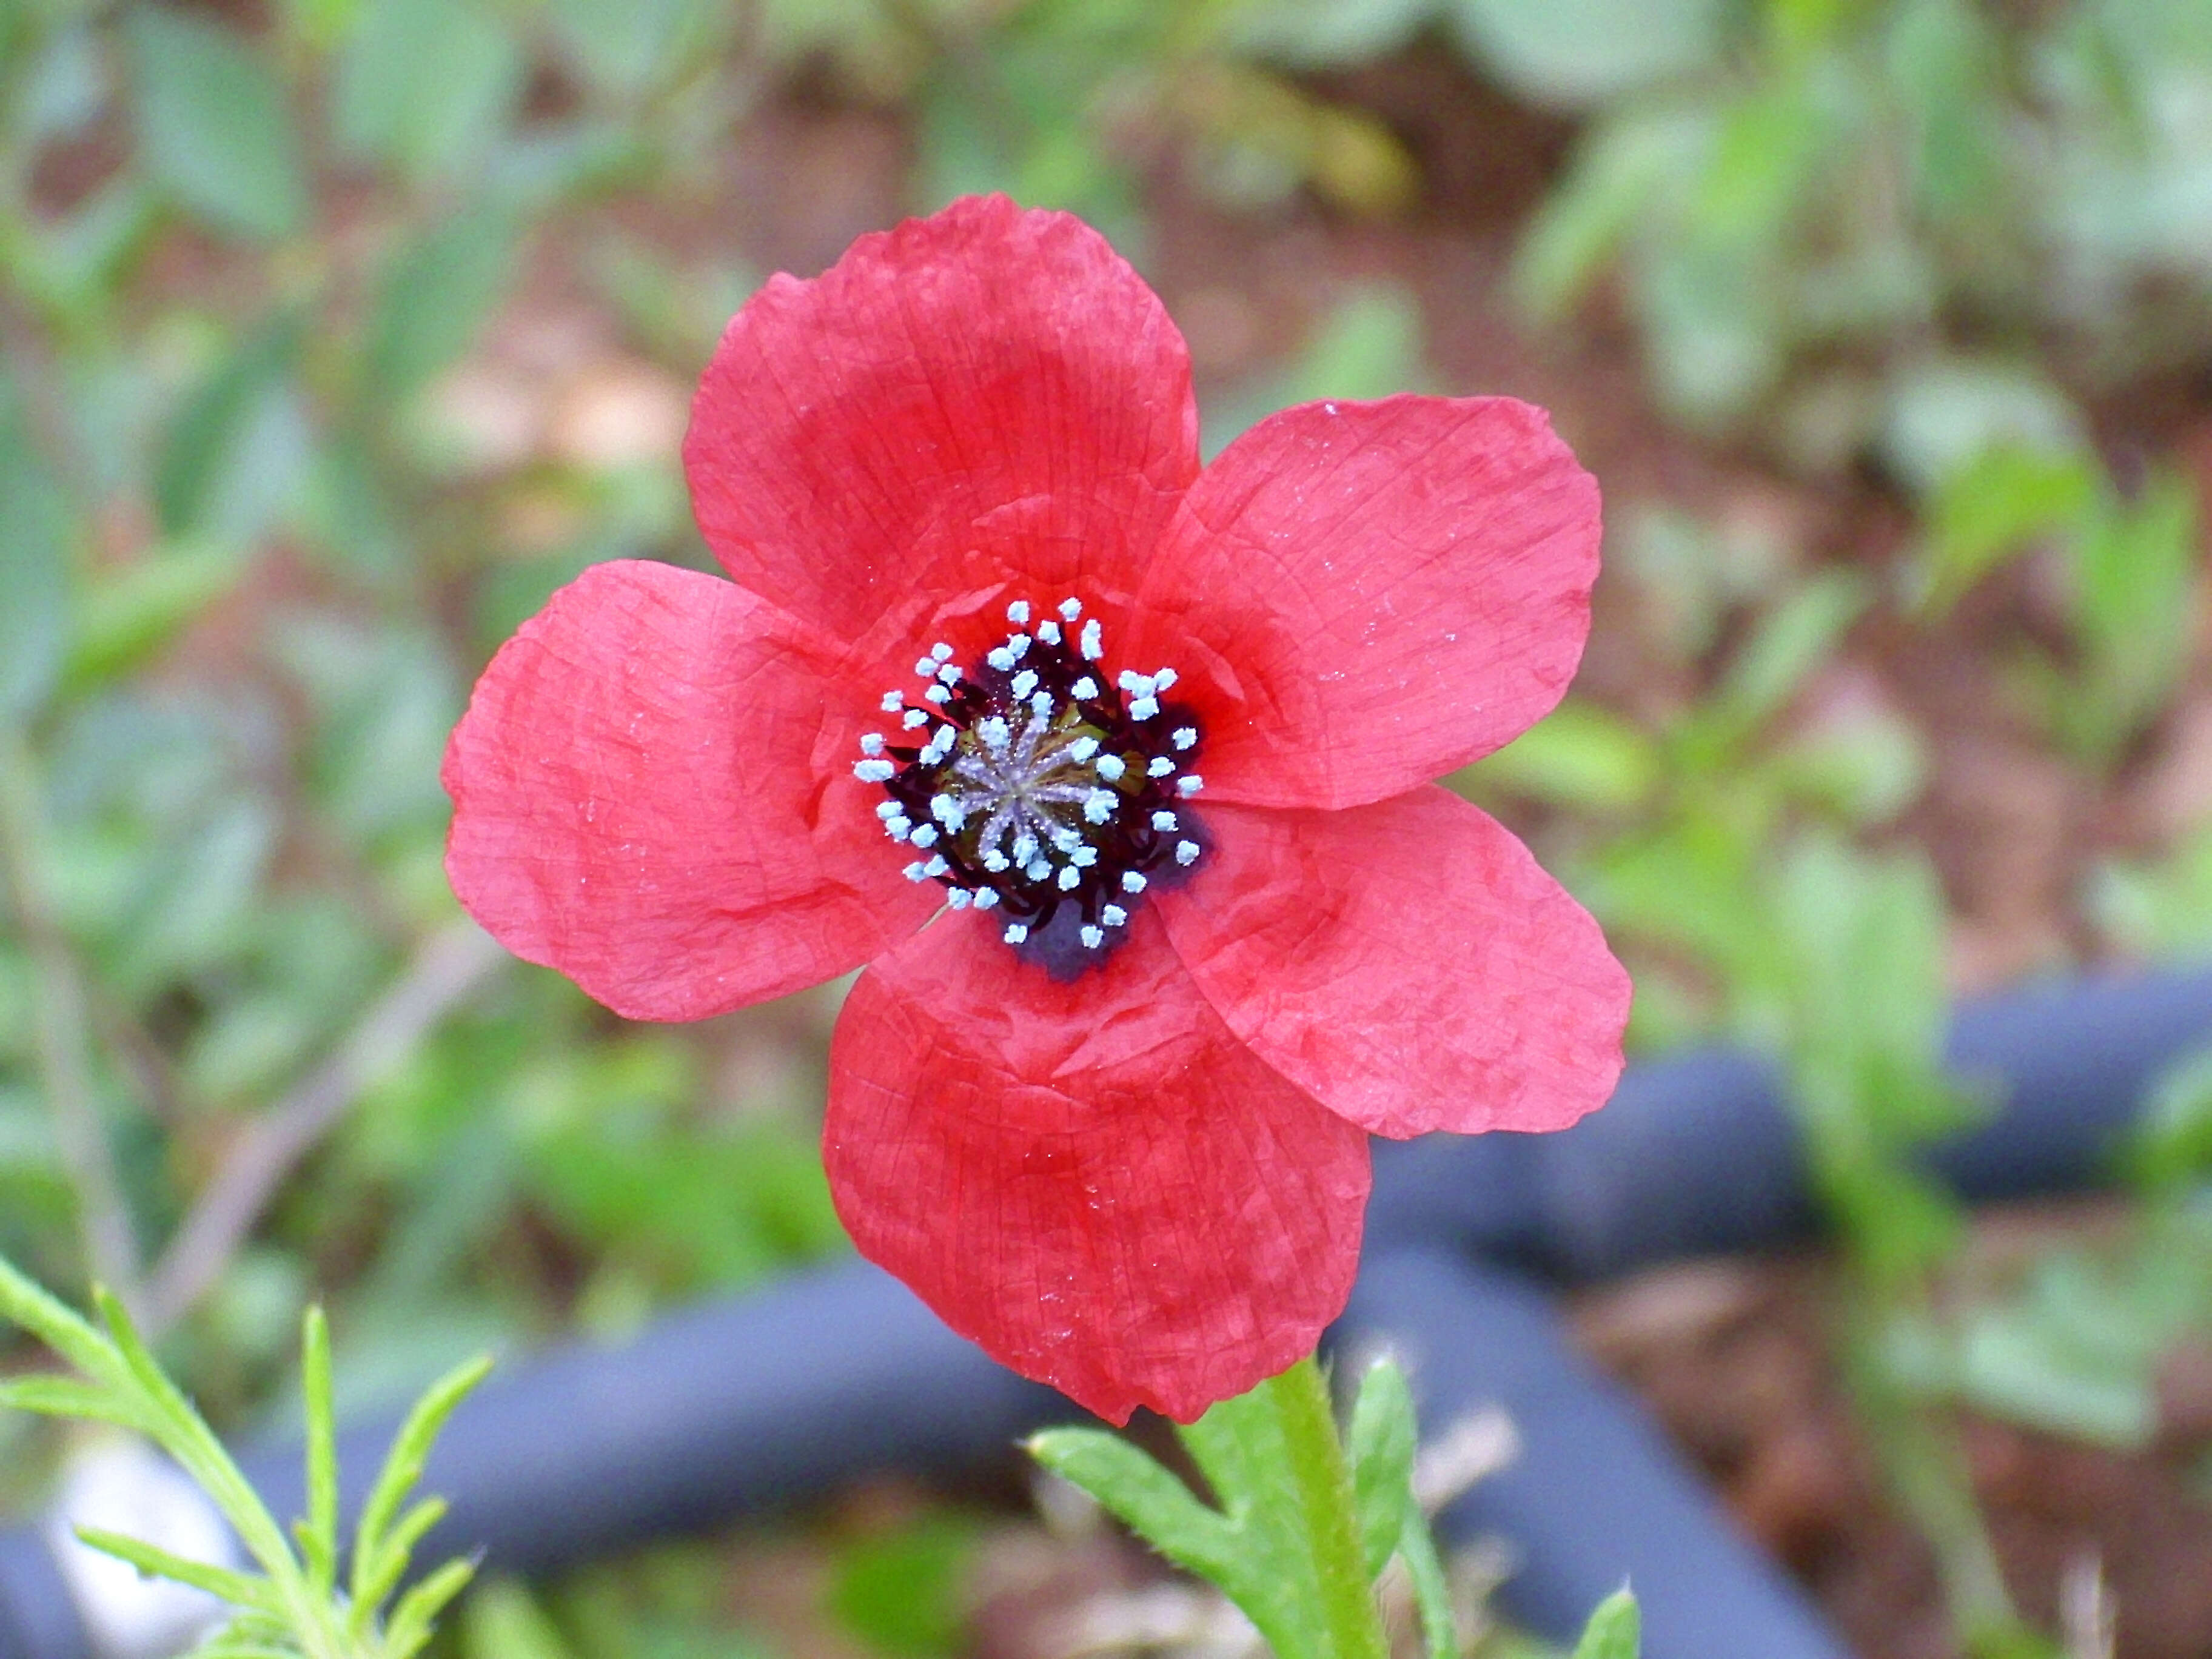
x=747 y=1407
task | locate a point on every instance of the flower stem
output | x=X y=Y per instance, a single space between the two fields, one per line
x=1322 y=1477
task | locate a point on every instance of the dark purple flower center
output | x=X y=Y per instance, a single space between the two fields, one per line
x=1037 y=788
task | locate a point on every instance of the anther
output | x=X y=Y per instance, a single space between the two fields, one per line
x=925 y=667
x=1040 y=705
x=890 y=810
x=950 y=674
x=1099 y=806
x=1092 y=938
x=1018 y=612
x=936 y=866
x=1015 y=933
x=1189 y=784
x=986 y=898
x=1038 y=870
x=925 y=835
x=960 y=898
x=1133 y=881
x=1070 y=880
x=1158 y=767
x=1113 y=915
x=1144 y=709
x=892 y=702
x=872 y=743
x=937 y=693
x=1084 y=690
x=873 y=771
x=1070 y=608
x=1047 y=631
x=917 y=872
x=1025 y=682
x=1094 y=642
x=1185 y=736
x=915 y=717
x=1164 y=821
x=1187 y=852
x=1111 y=767
x=1082 y=750
x=941 y=650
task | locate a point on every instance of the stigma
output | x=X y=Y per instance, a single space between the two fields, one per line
x=1039 y=789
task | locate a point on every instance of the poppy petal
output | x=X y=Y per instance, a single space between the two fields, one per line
x=636 y=801
x=987 y=395
x=1363 y=597
x=1095 y=1181
x=1409 y=964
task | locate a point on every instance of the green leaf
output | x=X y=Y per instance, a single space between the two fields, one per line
x=24 y=1304
x=1791 y=642
x=235 y=1587
x=902 y=1591
x=434 y=297
x=1572 y=54
x=130 y=614
x=212 y=124
x=234 y=454
x=418 y=1610
x=1382 y=1444
x=1994 y=505
x=1581 y=756
x=1615 y=1630
x=426 y=86
x=402 y=1468
x=1617 y=175
x=36 y=533
x=319 y=1532
x=65 y=1396
x=1151 y=1500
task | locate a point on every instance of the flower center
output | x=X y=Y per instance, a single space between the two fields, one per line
x=1033 y=786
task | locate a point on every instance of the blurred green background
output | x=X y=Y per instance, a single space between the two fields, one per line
x=337 y=333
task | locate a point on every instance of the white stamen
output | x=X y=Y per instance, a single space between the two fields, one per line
x=1070 y=608
x=917 y=872
x=1187 y=852
x=1001 y=659
x=1094 y=643
x=872 y=743
x=925 y=666
x=898 y=829
x=1082 y=750
x=1084 y=690
x=1040 y=705
x=994 y=732
x=1083 y=857
x=1099 y=806
x=1189 y=784
x=1018 y=612
x=937 y=693
x=1113 y=915
x=948 y=811
x=1015 y=932
x=1092 y=938
x=960 y=898
x=1131 y=681
x=996 y=862
x=1070 y=880
x=1132 y=882
x=873 y=771
x=1165 y=678
x=941 y=650
x=1067 y=840
x=890 y=810
x=1049 y=631
x=925 y=836
x=1185 y=736
x=1144 y=709
x=1025 y=847
x=986 y=899
x=1159 y=766
x=1038 y=870
x=915 y=718
x=1019 y=646
x=892 y=702
x=1025 y=682
x=1163 y=821
x=1111 y=767
x=936 y=866
x=950 y=674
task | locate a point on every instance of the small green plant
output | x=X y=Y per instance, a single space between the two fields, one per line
x=1306 y=1523
x=295 y=1608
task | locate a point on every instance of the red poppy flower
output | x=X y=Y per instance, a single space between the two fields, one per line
x=1113 y=769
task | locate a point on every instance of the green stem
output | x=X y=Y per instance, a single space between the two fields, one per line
x=1322 y=1476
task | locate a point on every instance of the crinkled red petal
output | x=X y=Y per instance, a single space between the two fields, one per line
x=1363 y=597
x=637 y=801
x=985 y=395
x=1408 y=963
x=1095 y=1181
